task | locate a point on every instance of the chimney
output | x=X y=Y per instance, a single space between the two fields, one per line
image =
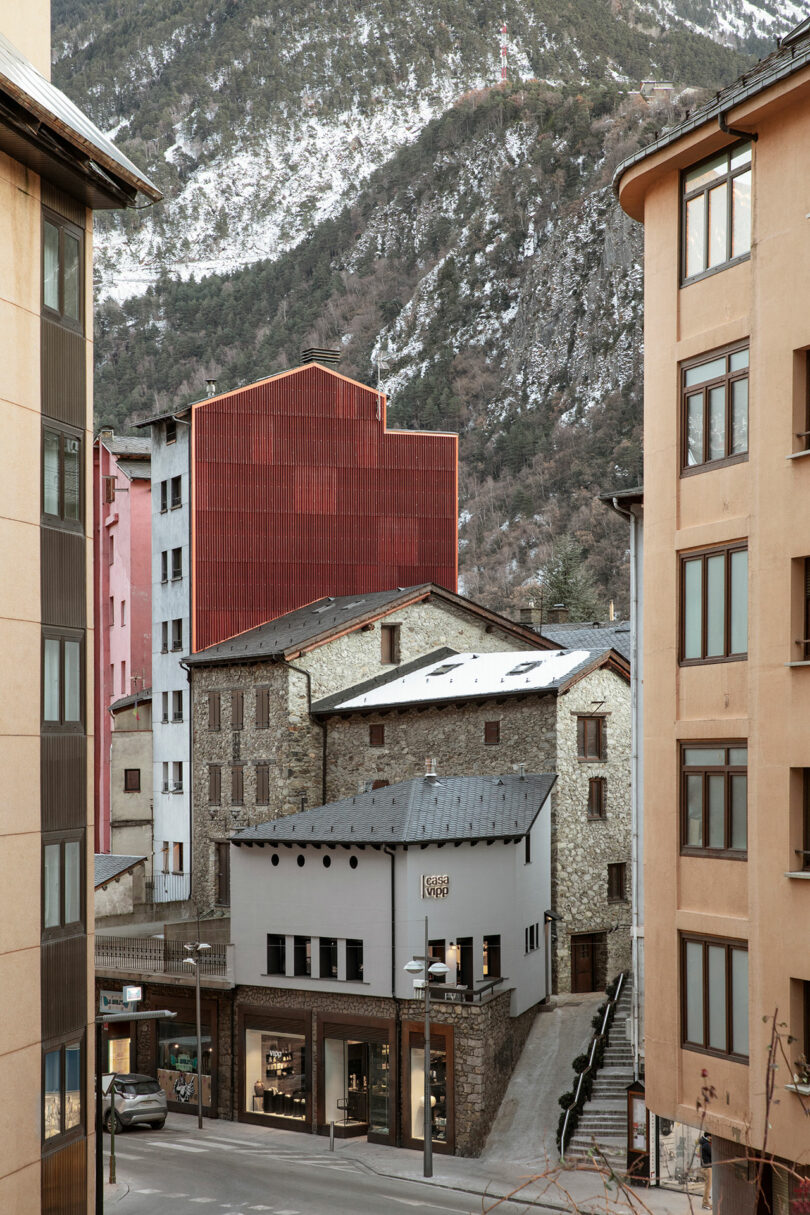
x=314 y=354
x=558 y=614
x=531 y=615
x=430 y=769
x=106 y=433
x=210 y=388
x=611 y=613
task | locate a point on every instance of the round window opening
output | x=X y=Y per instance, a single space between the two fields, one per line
x=353 y=862
x=274 y=859
x=301 y=861
x=327 y=861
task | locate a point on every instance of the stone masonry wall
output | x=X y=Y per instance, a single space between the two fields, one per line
x=486 y=1044
x=293 y=743
x=453 y=736
x=424 y=627
x=582 y=848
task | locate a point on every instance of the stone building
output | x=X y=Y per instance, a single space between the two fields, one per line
x=473 y=713
x=258 y=750
x=129 y=768
x=328 y=907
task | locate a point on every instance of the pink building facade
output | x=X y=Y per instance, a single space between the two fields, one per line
x=122 y=540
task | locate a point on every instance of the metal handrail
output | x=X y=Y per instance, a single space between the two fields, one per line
x=610 y=1004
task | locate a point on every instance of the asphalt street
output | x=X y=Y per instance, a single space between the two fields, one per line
x=231 y=1170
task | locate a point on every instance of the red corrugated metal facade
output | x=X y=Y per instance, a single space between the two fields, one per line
x=299 y=492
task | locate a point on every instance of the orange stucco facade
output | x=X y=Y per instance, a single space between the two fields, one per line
x=764 y=500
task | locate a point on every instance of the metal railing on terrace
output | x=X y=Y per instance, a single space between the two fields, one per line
x=150 y=955
x=455 y=993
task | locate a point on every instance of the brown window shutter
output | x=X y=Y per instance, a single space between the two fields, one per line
x=262 y=708
x=601 y=727
x=237 y=785
x=581 y=737
x=262 y=784
x=237 y=710
x=213 y=710
x=214 y=785
x=492 y=732
x=109 y=489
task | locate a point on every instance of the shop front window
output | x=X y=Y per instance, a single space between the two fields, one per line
x=177 y=1062
x=379 y=1071
x=438 y=1092
x=275 y=1076
x=346 y=1081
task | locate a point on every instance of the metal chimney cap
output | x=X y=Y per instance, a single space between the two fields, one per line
x=211 y=388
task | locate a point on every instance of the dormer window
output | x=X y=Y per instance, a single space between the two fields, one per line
x=523 y=667
x=444 y=669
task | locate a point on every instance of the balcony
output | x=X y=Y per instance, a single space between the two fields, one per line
x=154 y=956
x=450 y=993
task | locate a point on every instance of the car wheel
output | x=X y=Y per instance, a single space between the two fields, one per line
x=108 y=1117
x=159 y=1125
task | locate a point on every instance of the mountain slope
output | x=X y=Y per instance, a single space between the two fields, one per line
x=258 y=121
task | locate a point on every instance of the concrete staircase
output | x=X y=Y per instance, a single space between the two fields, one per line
x=603 y=1121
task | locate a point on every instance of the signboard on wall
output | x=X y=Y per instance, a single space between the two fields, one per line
x=435 y=885
x=114 y=1002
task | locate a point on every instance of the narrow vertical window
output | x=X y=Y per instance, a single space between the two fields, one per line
x=714 y=605
x=262 y=784
x=389 y=643
x=214 y=785
x=237 y=785
x=237 y=710
x=492 y=733
x=214 y=710
x=716 y=218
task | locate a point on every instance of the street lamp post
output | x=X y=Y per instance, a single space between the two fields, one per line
x=438 y=970
x=196 y=949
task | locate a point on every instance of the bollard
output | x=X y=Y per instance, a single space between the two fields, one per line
x=331 y=1136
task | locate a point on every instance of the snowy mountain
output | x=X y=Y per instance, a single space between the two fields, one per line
x=360 y=177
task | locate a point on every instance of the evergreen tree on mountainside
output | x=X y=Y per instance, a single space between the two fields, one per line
x=566 y=581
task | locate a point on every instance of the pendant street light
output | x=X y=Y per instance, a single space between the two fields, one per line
x=437 y=970
x=196 y=948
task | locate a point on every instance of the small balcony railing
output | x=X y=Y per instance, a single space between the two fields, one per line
x=455 y=993
x=148 y=955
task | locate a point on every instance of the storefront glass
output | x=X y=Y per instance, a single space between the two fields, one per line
x=346 y=1090
x=379 y=1059
x=438 y=1092
x=177 y=1062
x=275 y=1074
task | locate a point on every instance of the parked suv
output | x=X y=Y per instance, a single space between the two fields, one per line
x=137 y=1099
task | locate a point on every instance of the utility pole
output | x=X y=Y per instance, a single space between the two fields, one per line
x=196 y=948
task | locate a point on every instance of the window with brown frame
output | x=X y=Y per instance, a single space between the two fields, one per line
x=591 y=739
x=177 y=857
x=714 y=995
x=177 y=706
x=262 y=708
x=262 y=784
x=223 y=874
x=492 y=733
x=805 y=630
x=177 y=634
x=214 y=785
x=714 y=605
x=716 y=215
x=597 y=787
x=63 y=680
x=132 y=780
x=803 y=853
x=62 y=885
x=63 y=1089
x=617 y=879
x=62 y=496
x=389 y=643
x=714 y=409
x=237 y=785
x=237 y=710
x=214 y=711
x=714 y=798
x=177 y=495
x=177 y=564
x=171 y=430
x=376 y=736
x=63 y=271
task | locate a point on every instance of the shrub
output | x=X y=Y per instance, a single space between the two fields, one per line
x=567 y=1100
x=580 y=1063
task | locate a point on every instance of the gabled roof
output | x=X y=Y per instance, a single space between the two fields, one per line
x=327 y=618
x=42 y=128
x=421 y=811
x=468 y=676
x=133 y=446
x=109 y=865
x=610 y=635
x=136 y=698
x=135 y=470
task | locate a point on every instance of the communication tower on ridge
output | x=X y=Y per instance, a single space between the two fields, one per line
x=503 y=53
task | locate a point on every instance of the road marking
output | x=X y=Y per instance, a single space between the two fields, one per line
x=202 y=1199
x=147 y=1191
x=415 y=1202
x=176 y=1147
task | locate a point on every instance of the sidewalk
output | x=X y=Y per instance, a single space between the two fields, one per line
x=574 y=1189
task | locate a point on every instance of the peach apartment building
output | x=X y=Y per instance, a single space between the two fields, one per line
x=725 y=202
x=56 y=167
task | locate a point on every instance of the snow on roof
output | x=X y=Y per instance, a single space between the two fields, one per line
x=468 y=674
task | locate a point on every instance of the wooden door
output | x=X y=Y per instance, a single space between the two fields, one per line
x=582 y=963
